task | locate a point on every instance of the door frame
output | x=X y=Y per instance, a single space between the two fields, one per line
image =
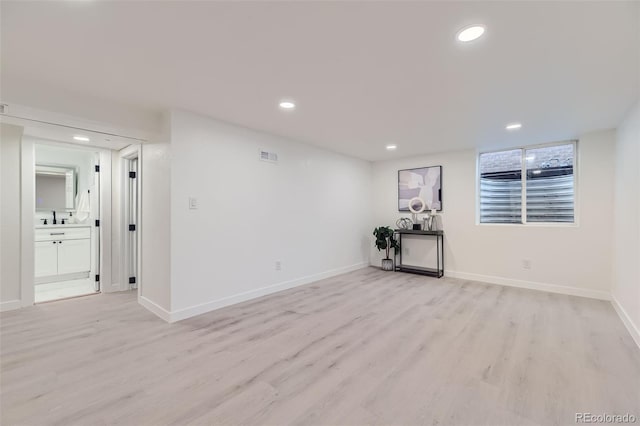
x=129 y=153
x=27 y=208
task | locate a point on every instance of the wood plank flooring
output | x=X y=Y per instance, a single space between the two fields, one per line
x=368 y=347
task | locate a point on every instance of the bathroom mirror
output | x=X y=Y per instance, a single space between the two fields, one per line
x=56 y=187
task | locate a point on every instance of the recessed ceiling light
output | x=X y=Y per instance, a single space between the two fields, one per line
x=513 y=126
x=391 y=147
x=287 y=105
x=81 y=138
x=470 y=33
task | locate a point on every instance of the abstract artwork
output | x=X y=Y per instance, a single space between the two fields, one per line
x=423 y=182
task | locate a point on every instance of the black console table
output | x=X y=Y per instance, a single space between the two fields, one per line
x=438 y=271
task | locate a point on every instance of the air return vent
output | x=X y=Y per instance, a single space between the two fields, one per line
x=269 y=157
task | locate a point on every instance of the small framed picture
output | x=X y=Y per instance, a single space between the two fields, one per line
x=423 y=182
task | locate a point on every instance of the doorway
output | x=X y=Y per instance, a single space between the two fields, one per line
x=21 y=133
x=130 y=224
x=67 y=217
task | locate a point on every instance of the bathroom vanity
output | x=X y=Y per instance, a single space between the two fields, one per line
x=62 y=252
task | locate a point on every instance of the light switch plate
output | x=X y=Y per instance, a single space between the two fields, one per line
x=193 y=203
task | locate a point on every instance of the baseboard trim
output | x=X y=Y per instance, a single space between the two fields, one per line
x=155 y=308
x=113 y=288
x=10 y=305
x=532 y=285
x=634 y=330
x=192 y=311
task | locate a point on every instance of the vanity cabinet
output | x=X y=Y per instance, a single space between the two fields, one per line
x=62 y=251
x=74 y=256
x=46 y=258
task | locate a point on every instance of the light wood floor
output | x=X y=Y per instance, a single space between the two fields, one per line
x=368 y=347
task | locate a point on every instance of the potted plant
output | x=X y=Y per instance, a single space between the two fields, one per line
x=386 y=241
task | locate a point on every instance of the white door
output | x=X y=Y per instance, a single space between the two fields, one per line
x=74 y=256
x=46 y=258
x=132 y=215
x=95 y=217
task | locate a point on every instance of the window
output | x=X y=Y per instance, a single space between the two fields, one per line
x=501 y=187
x=545 y=195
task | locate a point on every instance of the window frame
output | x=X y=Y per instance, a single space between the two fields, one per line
x=524 y=222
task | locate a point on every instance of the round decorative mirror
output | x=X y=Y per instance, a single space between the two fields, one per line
x=417 y=205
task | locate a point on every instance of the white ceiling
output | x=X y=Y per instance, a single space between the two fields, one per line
x=46 y=133
x=363 y=74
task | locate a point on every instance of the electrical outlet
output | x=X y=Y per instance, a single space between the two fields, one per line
x=278 y=265
x=526 y=264
x=193 y=203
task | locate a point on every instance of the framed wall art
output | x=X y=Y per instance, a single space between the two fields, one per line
x=423 y=182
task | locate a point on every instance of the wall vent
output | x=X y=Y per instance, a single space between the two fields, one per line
x=269 y=157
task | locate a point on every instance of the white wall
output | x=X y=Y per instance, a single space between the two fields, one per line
x=568 y=259
x=155 y=237
x=10 y=146
x=626 y=283
x=311 y=212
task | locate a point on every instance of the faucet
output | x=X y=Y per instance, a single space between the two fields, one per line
x=54 y=218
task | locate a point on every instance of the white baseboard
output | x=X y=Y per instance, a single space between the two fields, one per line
x=634 y=330
x=61 y=277
x=532 y=285
x=10 y=305
x=156 y=309
x=192 y=311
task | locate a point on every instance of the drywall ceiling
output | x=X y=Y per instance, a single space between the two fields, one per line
x=363 y=74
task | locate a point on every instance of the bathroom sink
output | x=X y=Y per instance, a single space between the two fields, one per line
x=66 y=225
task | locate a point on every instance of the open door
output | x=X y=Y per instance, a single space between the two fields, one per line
x=94 y=196
x=131 y=212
